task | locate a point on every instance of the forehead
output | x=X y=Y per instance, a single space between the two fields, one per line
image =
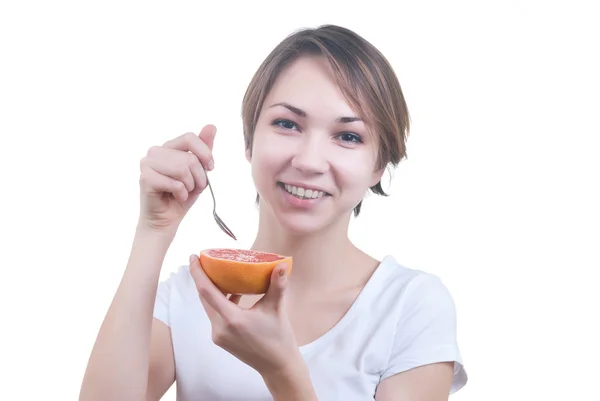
x=309 y=83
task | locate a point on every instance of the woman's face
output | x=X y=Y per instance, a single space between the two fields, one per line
x=312 y=159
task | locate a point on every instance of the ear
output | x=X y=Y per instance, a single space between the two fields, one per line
x=377 y=174
x=248 y=155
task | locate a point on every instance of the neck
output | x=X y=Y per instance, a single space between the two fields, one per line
x=319 y=258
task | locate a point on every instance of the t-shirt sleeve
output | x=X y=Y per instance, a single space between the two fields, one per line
x=426 y=331
x=162 y=301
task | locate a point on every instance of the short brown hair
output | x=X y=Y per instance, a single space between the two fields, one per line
x=364 y=76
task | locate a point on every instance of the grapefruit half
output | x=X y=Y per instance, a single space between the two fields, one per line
x=240 y=271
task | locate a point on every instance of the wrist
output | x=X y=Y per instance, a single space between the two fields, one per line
x=292 y=383
x=149 y=247
x=147 y=232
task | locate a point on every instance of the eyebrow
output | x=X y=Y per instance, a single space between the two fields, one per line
x=303 y=114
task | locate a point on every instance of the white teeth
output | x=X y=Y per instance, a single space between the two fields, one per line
x=303 y=193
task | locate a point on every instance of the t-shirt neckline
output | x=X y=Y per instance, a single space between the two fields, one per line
x=355 y=308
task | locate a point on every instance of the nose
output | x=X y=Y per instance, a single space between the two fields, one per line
x=310 y=157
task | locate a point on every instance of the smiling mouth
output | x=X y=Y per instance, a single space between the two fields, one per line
x=302 y=193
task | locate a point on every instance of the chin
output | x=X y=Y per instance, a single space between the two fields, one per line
x=300 y=226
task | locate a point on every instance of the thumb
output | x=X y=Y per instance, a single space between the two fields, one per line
x=274 y=295
x=208 y=135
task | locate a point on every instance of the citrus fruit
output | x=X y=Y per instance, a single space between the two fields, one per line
x=240 y=271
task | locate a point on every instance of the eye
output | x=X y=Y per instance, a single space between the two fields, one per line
x=350 y=137
x=285 y=124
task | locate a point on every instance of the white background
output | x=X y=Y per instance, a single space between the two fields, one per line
x=499 y=195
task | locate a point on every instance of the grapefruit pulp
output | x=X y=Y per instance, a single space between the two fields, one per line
x=240 y=271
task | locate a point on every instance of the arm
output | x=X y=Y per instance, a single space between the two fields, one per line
x=425 y=362
x=130 y=347
x=424 y=383
x=121 y=359
x=161 y=373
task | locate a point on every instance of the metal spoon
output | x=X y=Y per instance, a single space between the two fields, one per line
x=220 y=222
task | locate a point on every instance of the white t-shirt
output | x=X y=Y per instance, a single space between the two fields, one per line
x=403 y=318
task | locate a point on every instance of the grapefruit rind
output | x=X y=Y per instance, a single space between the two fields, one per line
x=241 y=276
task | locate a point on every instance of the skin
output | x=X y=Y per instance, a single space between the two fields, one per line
x=310 y=146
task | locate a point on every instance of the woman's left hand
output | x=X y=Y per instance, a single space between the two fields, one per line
x=261 y=336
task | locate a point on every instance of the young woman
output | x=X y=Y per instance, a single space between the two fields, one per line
x=323 y=117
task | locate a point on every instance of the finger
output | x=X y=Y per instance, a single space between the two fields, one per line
x=153 y=181
x=209 y=293
x=208 y=135
x=275 y=293
x=191 y=142
x=173 y=163
x=199 y=176
x=213 y=316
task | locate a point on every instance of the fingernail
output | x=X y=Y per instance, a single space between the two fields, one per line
x=211 y=164
x=192 y=258
x=282 y=272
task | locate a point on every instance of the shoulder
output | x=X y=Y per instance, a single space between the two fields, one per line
x=422 y=311
x=419 y=302
x=405 y=288
x=414 y=299
x=179 y=281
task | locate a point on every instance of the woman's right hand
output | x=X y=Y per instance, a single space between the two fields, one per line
x=172 y=176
